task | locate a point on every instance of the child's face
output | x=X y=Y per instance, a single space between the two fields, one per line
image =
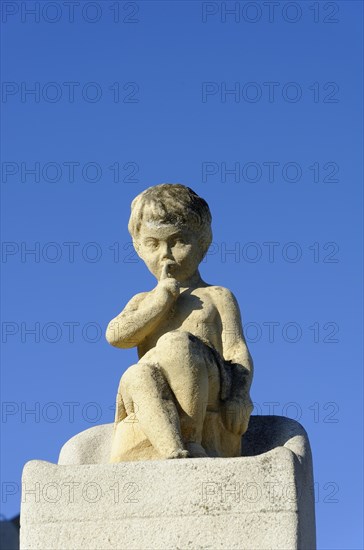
x=179 y=247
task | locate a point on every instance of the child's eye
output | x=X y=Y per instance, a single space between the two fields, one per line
x=151 y=243
x=180 y=241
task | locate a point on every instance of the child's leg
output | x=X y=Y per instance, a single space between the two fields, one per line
x=168 y=392
x=147 y=396
x=193 y=378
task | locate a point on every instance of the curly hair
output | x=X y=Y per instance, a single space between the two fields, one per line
x=172 y=204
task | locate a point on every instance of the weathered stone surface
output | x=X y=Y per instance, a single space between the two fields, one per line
x=93 y=445
x=261 y=501
x=264 y=433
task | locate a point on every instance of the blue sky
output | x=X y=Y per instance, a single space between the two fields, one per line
x=260 y=112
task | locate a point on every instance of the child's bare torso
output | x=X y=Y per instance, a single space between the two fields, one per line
x=195 y=311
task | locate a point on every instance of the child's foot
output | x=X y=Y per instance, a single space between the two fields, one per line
x=179 y=453
x=196 y=450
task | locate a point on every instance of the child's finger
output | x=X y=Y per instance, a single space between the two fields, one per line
x=164 y=274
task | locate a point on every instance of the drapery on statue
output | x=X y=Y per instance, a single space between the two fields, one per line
x=188 y=395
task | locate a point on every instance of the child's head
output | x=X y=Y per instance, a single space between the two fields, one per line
x=172 y=204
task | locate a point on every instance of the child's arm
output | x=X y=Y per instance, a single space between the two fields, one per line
x=233 y=341
x=142 y=314
x=236 y=410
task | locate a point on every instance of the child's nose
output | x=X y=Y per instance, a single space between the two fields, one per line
x=166 y=251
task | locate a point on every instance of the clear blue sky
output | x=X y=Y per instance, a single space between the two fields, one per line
x=127 y=99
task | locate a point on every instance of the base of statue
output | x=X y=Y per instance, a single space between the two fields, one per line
x=262 y=500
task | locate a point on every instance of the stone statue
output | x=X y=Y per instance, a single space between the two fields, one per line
x=188 y=395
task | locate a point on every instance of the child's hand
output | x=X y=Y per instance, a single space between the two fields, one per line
x=167 y=282
x=234 y=416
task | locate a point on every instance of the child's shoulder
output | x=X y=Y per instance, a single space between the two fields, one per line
x=217 y=289
x=224 y=301
x=220 y=293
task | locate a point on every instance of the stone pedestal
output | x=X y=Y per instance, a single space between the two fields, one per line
x=263 y=500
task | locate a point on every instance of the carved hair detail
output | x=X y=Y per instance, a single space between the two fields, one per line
x=172 y=204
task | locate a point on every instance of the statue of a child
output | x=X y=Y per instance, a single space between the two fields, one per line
x=188 y=395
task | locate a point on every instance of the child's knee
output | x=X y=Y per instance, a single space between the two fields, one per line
x=177 y=342
x=135 y=375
